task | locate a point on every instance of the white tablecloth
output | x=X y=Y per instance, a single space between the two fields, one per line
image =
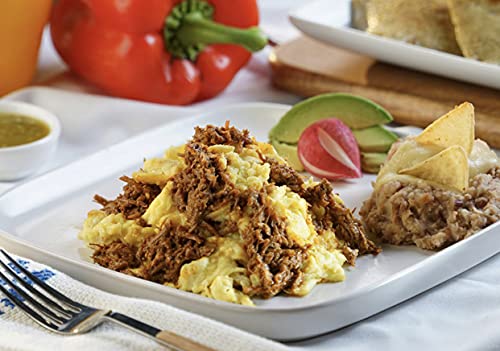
x=462 y=314
x=19 y=333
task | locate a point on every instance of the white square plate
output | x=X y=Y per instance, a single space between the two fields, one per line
x=40 y=219
x=330 y=21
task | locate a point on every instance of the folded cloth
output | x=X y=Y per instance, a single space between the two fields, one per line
x=19 y=332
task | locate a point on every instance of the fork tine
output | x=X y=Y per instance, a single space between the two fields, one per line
x=52 y=305
x=51 y=292
x=38 y=318
x=36 y=307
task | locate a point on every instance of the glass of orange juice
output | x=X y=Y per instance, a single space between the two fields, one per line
x=21 y=27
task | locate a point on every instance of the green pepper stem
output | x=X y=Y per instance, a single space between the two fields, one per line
x=197 y=30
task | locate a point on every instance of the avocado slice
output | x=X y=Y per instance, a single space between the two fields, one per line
x=374 y=139
x=356 y=112
x=289 y=152
x=372 y=161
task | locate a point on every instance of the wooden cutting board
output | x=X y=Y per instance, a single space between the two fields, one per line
x=307 y=67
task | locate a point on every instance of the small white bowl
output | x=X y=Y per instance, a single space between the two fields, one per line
x=20 y=161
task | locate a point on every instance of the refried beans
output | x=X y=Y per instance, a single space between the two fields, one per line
x=432 y=217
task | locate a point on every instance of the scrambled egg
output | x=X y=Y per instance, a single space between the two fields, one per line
x=214 y=276
x=100 y=228
x=217 y=275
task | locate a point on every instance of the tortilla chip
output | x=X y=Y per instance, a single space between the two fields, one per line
x=454 y=128
x=426 y=23
x=358 y=14
x=450 y=168
x=477 y=28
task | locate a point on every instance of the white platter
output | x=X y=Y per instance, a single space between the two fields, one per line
x=330 y=21
x=40 y=219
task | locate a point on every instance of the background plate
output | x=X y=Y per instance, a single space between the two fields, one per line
x=331 y=24
x=40 y=219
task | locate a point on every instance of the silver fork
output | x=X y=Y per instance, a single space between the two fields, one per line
x=62 y=315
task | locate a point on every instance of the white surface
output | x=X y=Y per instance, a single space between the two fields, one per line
x=374 y=285
x=322 y=20
x=22 y=160
x=461 y=314
x=19 y=332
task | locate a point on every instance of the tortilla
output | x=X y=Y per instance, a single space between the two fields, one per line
x=454 y=128
x=426 y=23
x=450 y=168
x=477 y=28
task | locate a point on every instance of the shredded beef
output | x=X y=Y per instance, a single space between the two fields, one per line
x=202 y=186
x=117 y=256
x=163 y=255
x=211 y=135
x=134 y=200
x=272 y=256
x=282 y=174
x=333 y=215
x=158 y=258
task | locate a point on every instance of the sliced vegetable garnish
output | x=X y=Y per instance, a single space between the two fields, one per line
x=328 y=149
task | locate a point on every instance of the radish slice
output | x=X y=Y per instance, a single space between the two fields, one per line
x=328 y=149
x=334 y=149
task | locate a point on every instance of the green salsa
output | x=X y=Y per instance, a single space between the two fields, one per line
x=18 y=129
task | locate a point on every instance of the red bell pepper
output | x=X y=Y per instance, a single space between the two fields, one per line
x=165 y=51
